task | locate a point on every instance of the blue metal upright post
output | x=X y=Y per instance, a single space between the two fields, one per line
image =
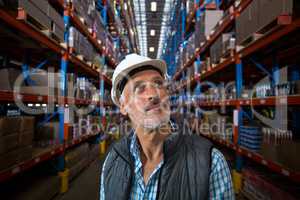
x=102 y=86
x=198 y=63
x=61 y=109
x=239 y=87
x=275 y=71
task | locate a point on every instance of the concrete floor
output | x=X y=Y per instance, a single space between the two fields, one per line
x=85 y=186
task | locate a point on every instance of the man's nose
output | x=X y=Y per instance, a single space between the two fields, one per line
x=152 y=93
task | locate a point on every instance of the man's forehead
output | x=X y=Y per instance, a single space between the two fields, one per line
x=146 y=75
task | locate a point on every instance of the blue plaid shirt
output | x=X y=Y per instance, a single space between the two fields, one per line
x=220 y=184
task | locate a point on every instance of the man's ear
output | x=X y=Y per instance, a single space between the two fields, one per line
x=123 y=109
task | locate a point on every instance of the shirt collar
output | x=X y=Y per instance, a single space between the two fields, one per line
x=135 y=146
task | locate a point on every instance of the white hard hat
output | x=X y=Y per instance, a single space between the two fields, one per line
x=132 y=62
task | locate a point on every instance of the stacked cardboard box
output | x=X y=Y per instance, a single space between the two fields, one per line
x=47 y=134
x=16 y=140
x=111 y=48
x=42 y=12
x=84 y=89
x=44 y=83
x=259 y=185
x=228 y=43
x=36 y=10
x=190 y=47
x=85 y=9
x=271 y=9
x=58 y=25
x=99 y=28
x=216 y=51
x=8 y=76
x=221 y=46
x=81 y=44
x=259 y=14
x=48 y=83
x=247 y=22
x=206 y=24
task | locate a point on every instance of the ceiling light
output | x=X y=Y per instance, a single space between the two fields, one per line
x=153 y=6
x=151 y=49
x=152 y=32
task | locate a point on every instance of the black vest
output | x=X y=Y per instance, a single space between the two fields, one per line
x=183 y=176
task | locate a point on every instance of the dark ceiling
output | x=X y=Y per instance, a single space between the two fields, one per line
x=153 y=21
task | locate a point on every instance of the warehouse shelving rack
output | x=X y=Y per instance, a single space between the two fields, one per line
x=258 y=158
x=236 y=59
x=66 y=56
x=127 y=16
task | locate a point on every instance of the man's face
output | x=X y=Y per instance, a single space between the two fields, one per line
x=145 y=100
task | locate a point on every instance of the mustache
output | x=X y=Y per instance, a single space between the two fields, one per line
x=155 y=103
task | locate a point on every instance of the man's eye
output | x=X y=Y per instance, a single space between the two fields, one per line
x=158 y=83
x=140 y=88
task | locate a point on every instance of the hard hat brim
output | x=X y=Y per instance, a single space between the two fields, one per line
x=156 y=63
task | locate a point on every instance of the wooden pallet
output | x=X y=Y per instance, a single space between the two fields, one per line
x=275 y=24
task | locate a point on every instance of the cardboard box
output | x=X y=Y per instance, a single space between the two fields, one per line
x=248 y=22
x=9 y=143
x=9 y=125
x=26 y=139
x=47 y=132
x=8 y=77
x=35 y=12
x=43 y=5
x=56 y=17
x=269 y=10
x=227 y=42
x=8 y=159
x=57 y=23
x=215 y=51
x=283 y=154
x=58 y=32
x=27 y=124
x=39 y=90
x=209 y=20
x=24 y=154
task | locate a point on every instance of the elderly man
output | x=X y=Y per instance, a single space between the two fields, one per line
x=157 y=161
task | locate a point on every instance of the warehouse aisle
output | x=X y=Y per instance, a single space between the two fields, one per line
x=85 y=186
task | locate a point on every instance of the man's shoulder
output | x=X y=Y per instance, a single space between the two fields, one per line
x=119 y=148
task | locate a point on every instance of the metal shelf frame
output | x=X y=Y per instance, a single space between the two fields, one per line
x=258 y=158
x=49 y=154
x=236 y=60
x=64 y=51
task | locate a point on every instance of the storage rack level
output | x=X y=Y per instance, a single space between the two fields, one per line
x=42 y=155
x=45 y=42
x=234 y=65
